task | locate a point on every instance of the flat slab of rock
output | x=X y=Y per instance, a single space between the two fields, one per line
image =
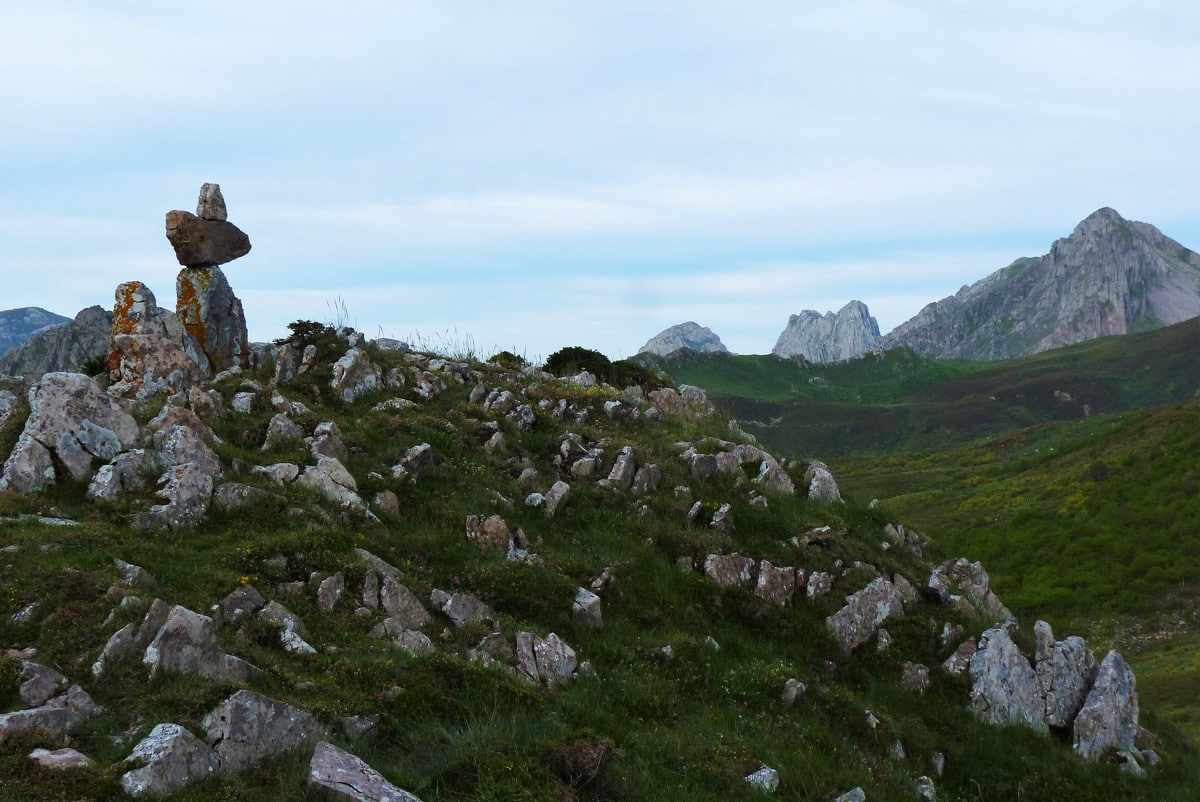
x=248 y=728
x=339 y=775
x=61 y=759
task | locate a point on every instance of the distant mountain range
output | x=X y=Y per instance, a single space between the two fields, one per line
x=1110 y=276
x=18 y=325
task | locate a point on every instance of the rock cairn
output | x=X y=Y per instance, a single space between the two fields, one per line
x=211 y=314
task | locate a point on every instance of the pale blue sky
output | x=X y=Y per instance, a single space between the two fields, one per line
x=535 y=175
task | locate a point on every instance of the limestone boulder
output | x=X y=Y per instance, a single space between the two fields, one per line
x=776 y=584
x=40 y=684
x=544 y=661
x=129 y=471
x=586 y=610
x=136 y=311
x=59 y=716
x=186 y=492
x=248 y=728
x=822 y=486
x=1108 y=721
x=857 y=621
x=213 y=317
x=173 y=758
x=1065 y=672
x=623 y=470
x=72 y=423
x=1004 y=686
x=201 y=243
x=186 y=643
x=729 y=570
x=354 y=374
x=149 y=365
x=338 y=775
x=331 y=479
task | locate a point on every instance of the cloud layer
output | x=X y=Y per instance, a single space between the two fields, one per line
x=542 y=175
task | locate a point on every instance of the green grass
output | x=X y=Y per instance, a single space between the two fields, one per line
x=651 y=725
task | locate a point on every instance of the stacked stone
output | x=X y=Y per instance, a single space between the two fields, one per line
x=211 y=314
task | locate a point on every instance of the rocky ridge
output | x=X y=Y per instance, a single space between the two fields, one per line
x=1110 y=276
x=829 y=337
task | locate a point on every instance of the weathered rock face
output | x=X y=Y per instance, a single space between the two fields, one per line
x=1005 y=689
x=213 y=317
x=72 y=423
x=857 y=621
x=691 y=336
x=61 y=715
x=67 y=346
x=146 y=365
x=136 y=311
x=546 y=660
x=174 y=757
x=1111 y=276
x=1109 y=718
x=248 y=728
x=338 y=775
x=822 y=486
x=18 y=325
x=828 y=337
x=1065 y=671
x=186 y=643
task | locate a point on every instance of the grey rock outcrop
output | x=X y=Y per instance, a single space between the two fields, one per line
x=1108 y=720
x=60 y=715
x=213 y=318
x=1005 y=687
x=65 y=346
x=173 y=757
x=72 y=423
x=186 y=643
x=690 y=335
x=829 y=337
x=248 y=728
x=864 y=611
x=1065 y=671
x=544 y=661
x=339 y=775
x=1110 y=276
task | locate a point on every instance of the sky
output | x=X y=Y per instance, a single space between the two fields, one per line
x=529 y=176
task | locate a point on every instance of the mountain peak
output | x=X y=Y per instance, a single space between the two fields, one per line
x=689 y=335
x=1110 y=276
x=829 y=337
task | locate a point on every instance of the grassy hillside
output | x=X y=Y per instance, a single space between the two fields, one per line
x=898 y=401
x=686 y=697
x=1092 y=524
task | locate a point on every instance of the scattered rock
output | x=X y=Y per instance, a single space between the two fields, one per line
x=864 y=611
x=765 y=779
x=339 y=775
x=586 y=609
x=547 y=661
x=248 y=728
x=173 y=758
x=61 y=715
x=61 y=759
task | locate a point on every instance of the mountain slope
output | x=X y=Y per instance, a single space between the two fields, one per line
x=1110 y=276
x=17 y=325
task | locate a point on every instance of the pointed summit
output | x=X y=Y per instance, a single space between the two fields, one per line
x=1110 y=276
